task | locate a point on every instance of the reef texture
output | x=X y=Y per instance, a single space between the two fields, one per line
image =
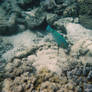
x=48 y=71
x=30 y=59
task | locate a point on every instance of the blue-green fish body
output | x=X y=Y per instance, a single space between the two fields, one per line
x=61 y=41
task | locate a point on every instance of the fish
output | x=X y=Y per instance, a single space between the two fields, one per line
x=60 y=40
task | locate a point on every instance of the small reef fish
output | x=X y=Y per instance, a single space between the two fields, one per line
x=60 y=40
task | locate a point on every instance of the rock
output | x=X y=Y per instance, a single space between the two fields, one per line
x=26 y=4
x=6 y=29
x=20 y=4
x=59 y=1
x=25 y=53
x=83 y=50
x=73 y=31
x=76 y=20
x=85 y=7
x=45 y=71
x=48 y=4
x=85 y=71
x=86 y=21
x=32 y=58
x=63 y=21
x=35 y=20
x=70 y=11
x=51 y=18
x=1 y=79
x=70 y=86
x=60 y=24
x=4 y=46
x=5 y=26
x=22 y=44
x=28 y=83
x=85 y=12
x=10 y=6
x=88 y=87
x=16 y=68
x=33 y=61
x=10 y=19
x=44 y=80
x=46 y=57
x=34 y=23
x=90 y=75
x=50 y=86
x=69 y=2
x=12 y=24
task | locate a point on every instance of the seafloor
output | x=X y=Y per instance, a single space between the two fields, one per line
x=45 y=45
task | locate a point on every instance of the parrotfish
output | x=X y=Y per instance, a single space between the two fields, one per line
x=60 y=40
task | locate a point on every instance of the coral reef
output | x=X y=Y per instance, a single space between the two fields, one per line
x=49 y=72
x=30 y=59
x=85 y=12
